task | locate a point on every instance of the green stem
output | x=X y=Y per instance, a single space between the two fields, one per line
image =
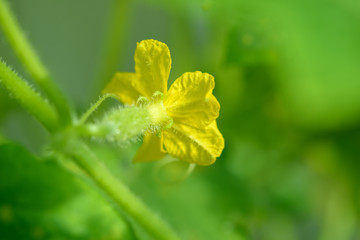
x=87 y=114
x=118 y=191
x=31 y=60
x=28 y=97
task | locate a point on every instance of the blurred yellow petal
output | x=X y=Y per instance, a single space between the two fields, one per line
x=124 y=85
x=150 y=150
x=152 y=66
x=190 y=100
x=195 y=145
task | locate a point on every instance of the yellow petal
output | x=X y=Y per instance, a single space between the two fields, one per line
x=201 y=146
x=150 y=149
x=152 y=66
x=124 y=85
x=190 y=100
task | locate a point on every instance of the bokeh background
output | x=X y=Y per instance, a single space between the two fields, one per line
x=287 y=78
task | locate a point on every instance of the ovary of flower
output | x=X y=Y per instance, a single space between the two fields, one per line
x=189 y=105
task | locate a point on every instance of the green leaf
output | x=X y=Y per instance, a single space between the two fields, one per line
x=29 y=183
x=41 y=200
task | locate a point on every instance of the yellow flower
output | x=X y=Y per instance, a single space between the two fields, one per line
x=193 y=136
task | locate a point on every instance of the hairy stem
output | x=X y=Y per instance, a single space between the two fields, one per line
x=93 y=107
x=120 y=125
x=118 y=191
x=28 y=97
x=128 y=123
x=31 y=60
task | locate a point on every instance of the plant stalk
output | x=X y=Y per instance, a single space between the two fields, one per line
x=93 y=107
x=118 y=191
x=28 y=97
x=31 y=60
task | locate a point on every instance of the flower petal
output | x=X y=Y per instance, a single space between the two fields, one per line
x=124 y=85
x=190 y=100
x=201 y=146
x=152 y=66
x=150 y=150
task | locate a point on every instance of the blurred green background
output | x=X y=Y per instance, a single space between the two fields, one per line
x=288 y=80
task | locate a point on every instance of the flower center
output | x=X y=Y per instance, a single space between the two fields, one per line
x=158 y=113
